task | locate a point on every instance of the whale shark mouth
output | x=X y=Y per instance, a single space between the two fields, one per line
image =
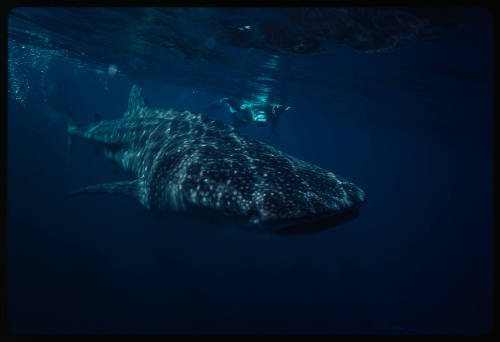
x=313 y=223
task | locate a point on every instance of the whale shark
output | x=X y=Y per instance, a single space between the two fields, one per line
x=187 y=162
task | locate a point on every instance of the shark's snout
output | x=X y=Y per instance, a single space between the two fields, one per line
x=355 y=196
x=277 y=207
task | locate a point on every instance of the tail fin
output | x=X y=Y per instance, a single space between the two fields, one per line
x=68 y=118
x=68 y=115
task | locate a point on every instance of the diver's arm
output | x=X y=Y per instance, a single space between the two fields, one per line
x=212 y=107
x=230 y=102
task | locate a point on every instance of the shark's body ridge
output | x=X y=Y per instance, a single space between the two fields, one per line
x=186 y=161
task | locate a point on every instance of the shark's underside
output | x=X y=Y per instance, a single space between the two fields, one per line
x=188 y=162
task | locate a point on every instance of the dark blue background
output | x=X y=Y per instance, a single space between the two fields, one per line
x=413 y=129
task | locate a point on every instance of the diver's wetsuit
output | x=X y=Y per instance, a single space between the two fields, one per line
x=245 y=113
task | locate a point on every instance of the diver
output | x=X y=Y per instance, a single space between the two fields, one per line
x=245 y=112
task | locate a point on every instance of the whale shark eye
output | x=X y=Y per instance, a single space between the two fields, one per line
x=253 y=217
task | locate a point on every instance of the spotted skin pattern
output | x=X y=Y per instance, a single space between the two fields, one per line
x=184 y=161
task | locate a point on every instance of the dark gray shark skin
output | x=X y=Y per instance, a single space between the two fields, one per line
x=188 y=162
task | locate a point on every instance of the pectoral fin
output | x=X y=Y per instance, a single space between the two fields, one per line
x=128 y=189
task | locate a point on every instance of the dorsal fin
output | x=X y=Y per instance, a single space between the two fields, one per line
x=136 y=101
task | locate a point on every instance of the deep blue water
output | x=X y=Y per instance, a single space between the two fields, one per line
x=412 y=127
